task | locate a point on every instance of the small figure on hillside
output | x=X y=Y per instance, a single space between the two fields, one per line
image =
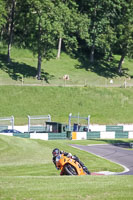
x=111 y=81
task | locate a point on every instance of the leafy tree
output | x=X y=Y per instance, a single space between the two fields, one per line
x=38 y=28
x=63 y=16
x=11 y=7
x=124 y=30
x=8 y=16
x=104 y=27
x=68 y=22
x=101 y=31
x=2 y=14
x=95 y=10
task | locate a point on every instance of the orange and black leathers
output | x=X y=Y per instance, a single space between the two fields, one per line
x=75 y=158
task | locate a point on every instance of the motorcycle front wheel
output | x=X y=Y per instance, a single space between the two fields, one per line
x=70 y=170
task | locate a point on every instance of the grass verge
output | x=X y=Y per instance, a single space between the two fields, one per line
x=27 y=173
x=67 y=188
x=104 y=105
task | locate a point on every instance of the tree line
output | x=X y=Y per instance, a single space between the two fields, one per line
x=98 y=28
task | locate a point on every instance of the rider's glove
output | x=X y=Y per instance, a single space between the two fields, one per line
x=69 y=155
x=57 y=168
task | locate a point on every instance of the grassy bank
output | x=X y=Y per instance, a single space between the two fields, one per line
x=80 y=71
x=27 y=172
x=25 y=157
x=105 y=105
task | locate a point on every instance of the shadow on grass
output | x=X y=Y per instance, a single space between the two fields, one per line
x=102 y=67
x=119 y=143
x=18 y=70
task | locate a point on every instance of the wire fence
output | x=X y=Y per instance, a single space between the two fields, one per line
x=123 y=83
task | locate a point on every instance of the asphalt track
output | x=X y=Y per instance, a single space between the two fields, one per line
x=113 y=153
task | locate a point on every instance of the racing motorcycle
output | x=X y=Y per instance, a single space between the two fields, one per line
x=69 y=166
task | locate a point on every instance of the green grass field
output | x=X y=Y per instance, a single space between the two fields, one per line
x=67 y=188
x=104 y=105
x=27 y=173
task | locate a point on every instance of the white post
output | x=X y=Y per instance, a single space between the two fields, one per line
x=49 y=116
x=69 y=125
x=12 y=122
x=28 y=123
x=88 y=122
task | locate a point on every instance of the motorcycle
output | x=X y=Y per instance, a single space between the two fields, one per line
x=69 y=166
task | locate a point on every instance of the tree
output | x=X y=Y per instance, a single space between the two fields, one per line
x=67 y=22
x=38 y=28
x=96 y=11
x=11 y=13
x=63 y=15
x=8 y=18
x=2 y=14
x=124 y=31
x=101 y=29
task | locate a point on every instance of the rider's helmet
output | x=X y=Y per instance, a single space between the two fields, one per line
x=56 y=152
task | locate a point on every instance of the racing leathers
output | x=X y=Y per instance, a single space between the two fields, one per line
x=74 y=157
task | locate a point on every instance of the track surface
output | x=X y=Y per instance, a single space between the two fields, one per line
x=116 y=154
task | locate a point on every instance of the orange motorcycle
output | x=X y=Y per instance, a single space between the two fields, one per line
x=69 y=166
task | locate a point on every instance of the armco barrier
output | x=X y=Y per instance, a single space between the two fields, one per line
x=57 y=136
x=95 y=134
x=22 y=135
x=114 y=128
x=100 y=135
x=3 y=127
x=37 y=129
x=74 y=135
x=123 y=134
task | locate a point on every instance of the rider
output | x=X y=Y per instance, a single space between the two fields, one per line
x=56 y=152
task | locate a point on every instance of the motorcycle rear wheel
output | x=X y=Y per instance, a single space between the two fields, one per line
x=70 y=170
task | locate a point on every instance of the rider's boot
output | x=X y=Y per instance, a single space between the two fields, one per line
x=86 y=170
x=82 y=165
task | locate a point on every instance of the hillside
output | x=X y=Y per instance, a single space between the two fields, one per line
x=23 y=70
x=104 y=105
